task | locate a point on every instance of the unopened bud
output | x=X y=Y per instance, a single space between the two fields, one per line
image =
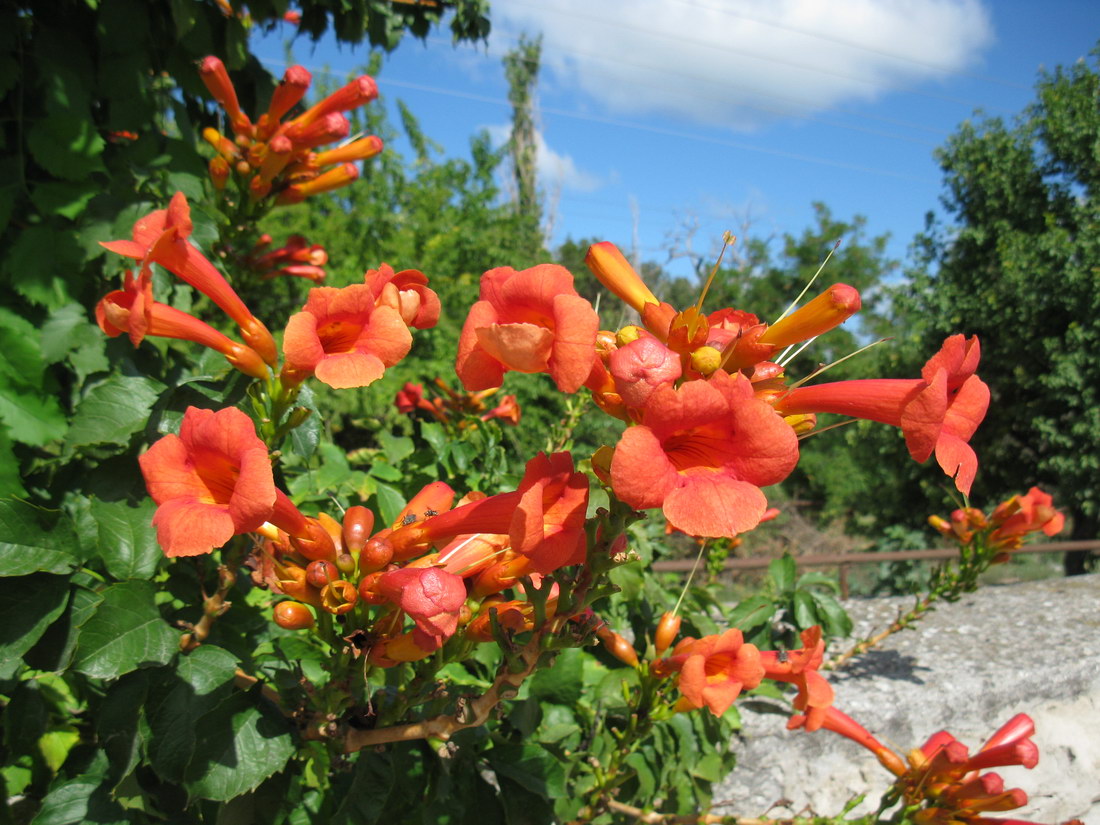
x=628 y=335
x=358 y=523
x=293 y=616
x=375 y=555
x=321 y=572
x=667 y=628
x=706 y=360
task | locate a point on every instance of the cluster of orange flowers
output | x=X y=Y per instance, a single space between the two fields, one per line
x=711 y=419
x=456 y=407
x=276 y=157
x=951 y=785
x=1007 y=526
x=297 y=258
x=345 y=337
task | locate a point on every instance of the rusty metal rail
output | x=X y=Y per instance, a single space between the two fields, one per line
x=844 y=560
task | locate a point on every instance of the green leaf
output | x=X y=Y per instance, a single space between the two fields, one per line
x=24 y=718
x=81 y=800
x=390 y=502
x=68 y=332
x=395 y=447
x=117 y=724
x=434 y=434
x=113 y=411
x=55 y=649
x=817 y=578
x=563 y=683
x=384 y=471
x=245 y=740
x=11 y=483
x=31 y=418
x=531 y=767
x=28 y=606
x=306 y=436
x=647 y=782
x=67 y=145
x=21 y=359
x=805 y=610
x=184 y=695
x=752 y=612
x=370 y=789
x=65 y=199
x=837 y=620
x=782 y=572
x=127 y=540
x=42 y=262
x=27 y=545
x=125 y=633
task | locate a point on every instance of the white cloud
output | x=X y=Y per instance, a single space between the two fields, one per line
x=742 y=63
x=555 y=171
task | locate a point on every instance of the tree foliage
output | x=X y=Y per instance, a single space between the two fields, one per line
x=1015 y=261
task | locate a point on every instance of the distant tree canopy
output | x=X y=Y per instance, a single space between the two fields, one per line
x=1017 y=262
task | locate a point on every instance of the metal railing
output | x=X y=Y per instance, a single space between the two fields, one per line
x=844 y=560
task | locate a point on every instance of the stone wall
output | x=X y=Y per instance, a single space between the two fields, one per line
x=971 y=665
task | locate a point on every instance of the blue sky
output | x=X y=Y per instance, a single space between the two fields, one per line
x=666 y=122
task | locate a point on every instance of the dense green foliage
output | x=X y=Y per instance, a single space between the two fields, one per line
x=1016 y=262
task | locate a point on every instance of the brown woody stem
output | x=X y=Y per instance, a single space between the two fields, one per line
x=443 y=727
x=212 y=607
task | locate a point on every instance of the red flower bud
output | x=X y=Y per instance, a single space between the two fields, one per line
x=293 y=616
x=358 y=523
x=321 y=572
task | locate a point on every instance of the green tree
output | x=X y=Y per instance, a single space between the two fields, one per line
x=1016 y=263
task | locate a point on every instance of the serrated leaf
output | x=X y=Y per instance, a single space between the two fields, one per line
x=369 y=791
x=184 y=695
x=55 y=649
x=117 y=725
x=28 y=606
x=752 y=612
x=24 y=718
x=41 y=263
x=125 y=633
x=395 y=447
x=68 y=330
x=11 y=483
x=113 y=411
x=563 y=683
x=245 y=740
x=30 y=417
x=82 y=800
x=60 y=198
x=21 y=359
x=67 y=145
x=531 y=767
x=28 y=545
x=384 y=471
x=127 y=540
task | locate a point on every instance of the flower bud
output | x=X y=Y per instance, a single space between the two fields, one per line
x=358 y=523
x=321 y=572
x=617 y=646
x=376 y=554
x=293 y=616
x=667 y=628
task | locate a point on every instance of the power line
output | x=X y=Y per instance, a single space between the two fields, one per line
x=856 y=45
x=607 y=121
x=771 y=110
